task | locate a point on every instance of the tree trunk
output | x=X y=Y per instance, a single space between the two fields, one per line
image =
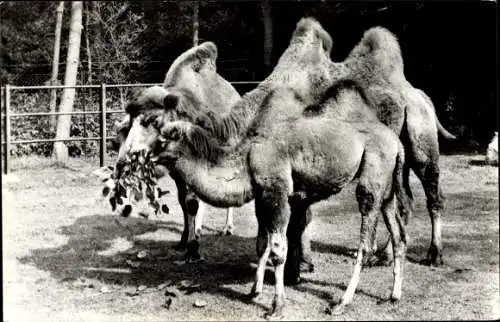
x=265 y=6
x=64 y=121
x=196 y=22
x=87 y=44
x=55 y=63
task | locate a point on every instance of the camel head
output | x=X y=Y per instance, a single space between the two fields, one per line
x=184 y=139
x=191 y=86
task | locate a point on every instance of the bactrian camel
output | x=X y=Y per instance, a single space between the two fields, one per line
x=286 y=163
x=305 y=66
x=195 y=84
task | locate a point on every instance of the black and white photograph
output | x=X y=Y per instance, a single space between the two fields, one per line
x=224 y=160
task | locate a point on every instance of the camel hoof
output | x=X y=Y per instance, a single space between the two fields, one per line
x=290 y=280
x=435 y=262
x=180 y=246
x=336 y=309
x=306 y=267
x=434 y=257
x=192 y=257
x=226 y=231
x=378 y=260
x=252 y=297
x=276 y=313
x=391 y=300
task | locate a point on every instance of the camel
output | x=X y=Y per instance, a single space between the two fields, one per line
x=376 y=64
x=305 y=66
x=192 y=80
x=287 y=163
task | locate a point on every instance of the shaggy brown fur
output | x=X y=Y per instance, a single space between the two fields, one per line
x=377 y=65
x=284 y=156
x=191 y=86
x=305 y=66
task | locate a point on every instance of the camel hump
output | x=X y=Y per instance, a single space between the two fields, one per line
x=381 y=47
x=207 y=50
x=308 y=24
x=196 y=58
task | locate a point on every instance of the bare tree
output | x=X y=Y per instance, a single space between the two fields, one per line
x=115 y=30
x=196 y=22
x=55 y=62
x=87 y=44
x=64 y=121
x=265 y=6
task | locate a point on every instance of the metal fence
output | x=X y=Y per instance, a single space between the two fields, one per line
x=103 y=112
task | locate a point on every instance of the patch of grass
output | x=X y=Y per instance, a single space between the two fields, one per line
x=57 y=230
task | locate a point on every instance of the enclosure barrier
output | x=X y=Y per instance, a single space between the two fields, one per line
x=102 y=121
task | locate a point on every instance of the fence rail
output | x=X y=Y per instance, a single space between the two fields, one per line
x=7 y=89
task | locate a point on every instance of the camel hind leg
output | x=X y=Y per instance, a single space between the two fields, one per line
x=368 y=195
x=228 y=228
x=190 y=205
x=299 y=246
x=396 y=229
x=422 y=154
x=428 y=173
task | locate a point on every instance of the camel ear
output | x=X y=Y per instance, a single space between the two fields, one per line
x=170 y=101
x=171 y=133
x=326 y=40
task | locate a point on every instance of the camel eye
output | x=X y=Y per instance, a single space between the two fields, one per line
x=174 y=134
x=147 y=120
x=158 y=123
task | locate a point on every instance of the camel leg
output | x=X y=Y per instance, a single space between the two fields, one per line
x=423 y=157
x=299 y=248
x=385 y=255
x=273 y=217
x=398 y=238
x=193 y=241
x=198 y=225
x=229 y=226
x=181 y=197
x=263 y=251
x=189 y=204
x=368 y=200
x=429 y=176
x=306 y=264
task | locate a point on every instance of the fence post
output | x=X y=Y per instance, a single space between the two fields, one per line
x=7 y=129
x=102 y=150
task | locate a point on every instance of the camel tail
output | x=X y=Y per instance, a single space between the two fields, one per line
x=441 y=130
x=401 y=187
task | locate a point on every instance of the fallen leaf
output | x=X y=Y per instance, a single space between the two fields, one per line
x=132 y=264
x=179 y=263
x=168 y=303
x=142 y=254
x=200 y=303
x=163 y=285
x=105 y=289
x=185 y=283
x=171 y=292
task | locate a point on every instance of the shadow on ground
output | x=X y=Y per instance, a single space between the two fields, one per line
x=228 y=258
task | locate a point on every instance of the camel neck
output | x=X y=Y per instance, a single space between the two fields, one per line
x=225 y=184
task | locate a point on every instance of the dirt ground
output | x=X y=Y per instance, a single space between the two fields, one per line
x=65 y=257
